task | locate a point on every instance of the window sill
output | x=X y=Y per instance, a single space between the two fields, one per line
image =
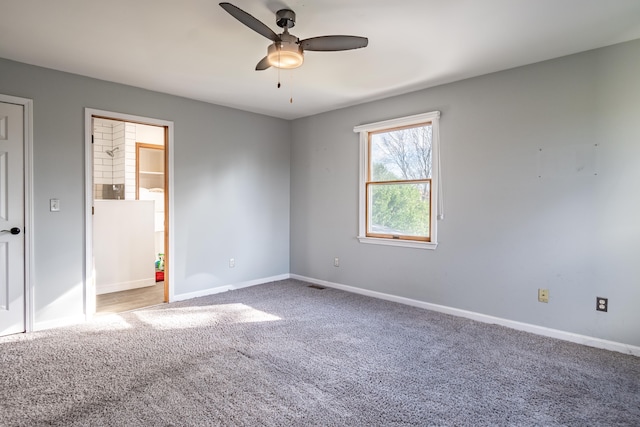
x=402 y=243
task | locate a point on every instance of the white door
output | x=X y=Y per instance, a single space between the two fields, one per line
x=12 y=255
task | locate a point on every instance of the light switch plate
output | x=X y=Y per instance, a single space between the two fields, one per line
x=54 y=205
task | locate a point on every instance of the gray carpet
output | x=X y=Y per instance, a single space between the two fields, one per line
x=285 y=354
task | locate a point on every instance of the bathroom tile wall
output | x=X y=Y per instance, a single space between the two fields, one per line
x=130 y=161
x=114 y=177
x=102 y=162
x=118 y=156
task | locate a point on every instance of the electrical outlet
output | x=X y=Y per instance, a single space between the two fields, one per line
x=232 y=262
x=602 y=304
x=543 y=295
x=336 y=262
x=54 y=205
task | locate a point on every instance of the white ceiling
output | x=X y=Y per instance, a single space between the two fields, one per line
x=193 y=48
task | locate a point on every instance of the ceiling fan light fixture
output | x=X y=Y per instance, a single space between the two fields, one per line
x=285 y=55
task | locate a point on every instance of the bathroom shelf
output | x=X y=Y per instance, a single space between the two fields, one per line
x=149 y=166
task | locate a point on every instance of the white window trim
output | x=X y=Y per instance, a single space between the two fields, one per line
x=436 y=192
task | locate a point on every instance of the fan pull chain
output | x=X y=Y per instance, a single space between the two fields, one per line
x=279 y=70
x=291 y=93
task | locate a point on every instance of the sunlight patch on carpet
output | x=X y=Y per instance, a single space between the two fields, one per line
x=195 y=317
x=109 y=322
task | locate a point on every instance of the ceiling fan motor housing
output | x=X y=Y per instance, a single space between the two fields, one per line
x=286 y=53
x=285 y=18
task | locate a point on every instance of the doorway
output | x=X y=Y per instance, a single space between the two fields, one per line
x=128 y=230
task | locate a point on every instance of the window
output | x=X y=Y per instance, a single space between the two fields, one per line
x=399 y=181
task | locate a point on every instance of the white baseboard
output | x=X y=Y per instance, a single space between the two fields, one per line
x=526 y=327
x=225 y=288
x=124 y=286
x=59 y=323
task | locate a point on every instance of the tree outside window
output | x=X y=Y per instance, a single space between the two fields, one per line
x=399 y=183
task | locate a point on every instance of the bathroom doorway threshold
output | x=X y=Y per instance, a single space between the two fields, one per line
x=133 y=299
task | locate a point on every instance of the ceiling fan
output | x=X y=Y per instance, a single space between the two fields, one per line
x=287 y=50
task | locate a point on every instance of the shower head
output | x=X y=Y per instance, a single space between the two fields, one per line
x=110 y=152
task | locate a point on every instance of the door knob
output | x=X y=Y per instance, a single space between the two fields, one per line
x=14 y=230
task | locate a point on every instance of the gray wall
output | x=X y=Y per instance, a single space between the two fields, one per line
x=506 y=231
x=231 y=185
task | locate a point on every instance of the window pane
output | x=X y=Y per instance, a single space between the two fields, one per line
x=401 y=154
x=399 y=209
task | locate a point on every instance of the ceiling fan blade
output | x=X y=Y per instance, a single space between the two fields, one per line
x=333 y=43
x=263 y=64
x=250 y=21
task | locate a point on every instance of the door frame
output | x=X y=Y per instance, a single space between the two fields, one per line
x=27 y=115
x=89 y=274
